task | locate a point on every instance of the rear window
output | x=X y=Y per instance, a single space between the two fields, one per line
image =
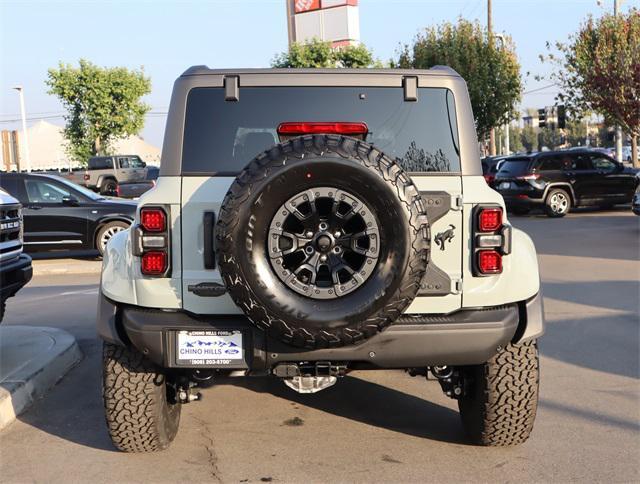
x=221 y=137
x=514 y=167
x=100 y=163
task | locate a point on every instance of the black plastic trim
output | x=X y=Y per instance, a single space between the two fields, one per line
x=208 y=225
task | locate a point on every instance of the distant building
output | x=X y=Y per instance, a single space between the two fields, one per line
x=335 y=21
x=47 y=149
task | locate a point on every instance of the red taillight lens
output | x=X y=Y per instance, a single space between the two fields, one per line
x=153 y=219
x=86 y=176
x=295 y=129
x=154 y=263
x=489 y=262
x=489 y=219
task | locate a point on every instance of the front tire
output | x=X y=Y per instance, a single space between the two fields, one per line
x=500 y=406
x=557 y=203
x=139 y=404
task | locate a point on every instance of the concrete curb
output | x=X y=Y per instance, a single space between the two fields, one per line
x=27 y=374
x=66 y=266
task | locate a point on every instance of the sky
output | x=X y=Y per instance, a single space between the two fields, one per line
x=166 y=37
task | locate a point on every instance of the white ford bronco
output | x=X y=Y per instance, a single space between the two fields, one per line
x=307 y=223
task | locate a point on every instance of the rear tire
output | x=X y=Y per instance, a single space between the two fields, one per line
x=557 y=203
x=139 y=408
x=501 y=405
x=109 y=188
x=107 y=231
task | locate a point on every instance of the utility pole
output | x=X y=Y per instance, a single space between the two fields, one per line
x=25 y=139
x=492 y=133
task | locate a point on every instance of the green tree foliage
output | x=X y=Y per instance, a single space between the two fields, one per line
x=598 y=69
x=103 y=104
x=576 y=132
x=549 y=138
x=318 y=54
x=529 y=139
x=490 y=67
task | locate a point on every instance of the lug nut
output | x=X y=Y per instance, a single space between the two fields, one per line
x=309 y=234
x=323 y=258
x=308 y=249
x=337 y=234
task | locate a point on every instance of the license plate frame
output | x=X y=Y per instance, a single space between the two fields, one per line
x=211 y=348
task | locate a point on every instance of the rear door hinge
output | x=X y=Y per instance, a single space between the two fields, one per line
x=456 y=286
x=456 y=202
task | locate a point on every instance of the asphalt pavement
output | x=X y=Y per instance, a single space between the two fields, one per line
x=371 y=426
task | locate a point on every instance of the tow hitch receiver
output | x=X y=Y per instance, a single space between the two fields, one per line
x=309 y=377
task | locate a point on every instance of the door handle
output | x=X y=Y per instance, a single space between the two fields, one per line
x=34 y=207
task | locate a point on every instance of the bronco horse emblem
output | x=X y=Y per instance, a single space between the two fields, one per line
x=445 y=236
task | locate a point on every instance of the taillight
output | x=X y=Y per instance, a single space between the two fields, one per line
x=153 y=219
x=151 y=242
x=533 y=176
x=154 y=263
x=489 y=219
x=491 y=240
x=489 y=262
x=300 y=128
x=118 y=191
x=86 y=177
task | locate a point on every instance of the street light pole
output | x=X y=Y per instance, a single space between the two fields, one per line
x=25 y=138
x=492 y=133
x=618 y=128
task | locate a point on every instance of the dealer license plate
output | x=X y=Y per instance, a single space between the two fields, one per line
x=210 y=348
x=505 y=185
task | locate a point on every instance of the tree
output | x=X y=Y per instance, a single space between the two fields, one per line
x=549 y=138
x=318 y=54
x=576 y=132
x=529 y=138
x=598 y=69
x=490 y=68
x=103 y=104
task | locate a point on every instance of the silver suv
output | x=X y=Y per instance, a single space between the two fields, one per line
x=307 y=223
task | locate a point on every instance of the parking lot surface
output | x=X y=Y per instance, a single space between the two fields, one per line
x=371 y=426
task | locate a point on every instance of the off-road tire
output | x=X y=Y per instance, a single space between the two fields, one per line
x=139 y=416
x=548 y=205
x=500 y=406
x=109 y=187
x=294 y=319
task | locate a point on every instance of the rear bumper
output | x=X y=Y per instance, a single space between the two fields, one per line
x=466 y=337
x=14 y=274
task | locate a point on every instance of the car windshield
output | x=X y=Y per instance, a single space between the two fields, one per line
x=221 y=137
x=514 y=167
x=84 y=191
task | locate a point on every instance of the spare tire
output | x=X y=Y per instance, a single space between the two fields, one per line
x=322 y=241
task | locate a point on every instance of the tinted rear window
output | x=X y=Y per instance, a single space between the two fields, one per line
x=100 y=163
x=515 y=167
x=222 y=137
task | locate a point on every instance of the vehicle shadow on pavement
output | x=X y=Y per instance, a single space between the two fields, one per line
x=371 y=404
x=81 y=391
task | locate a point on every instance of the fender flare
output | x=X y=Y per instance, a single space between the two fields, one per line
x=560 y=185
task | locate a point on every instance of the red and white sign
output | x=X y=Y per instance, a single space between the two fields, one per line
x=306 y=5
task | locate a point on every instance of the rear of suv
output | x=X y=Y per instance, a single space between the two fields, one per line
x=557 y=181
x=308 y=223
x=105 y=173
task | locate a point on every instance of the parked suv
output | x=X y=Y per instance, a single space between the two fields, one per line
x=307 y=223
x=15 y=267
x=556 y=181
x=104 y=173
